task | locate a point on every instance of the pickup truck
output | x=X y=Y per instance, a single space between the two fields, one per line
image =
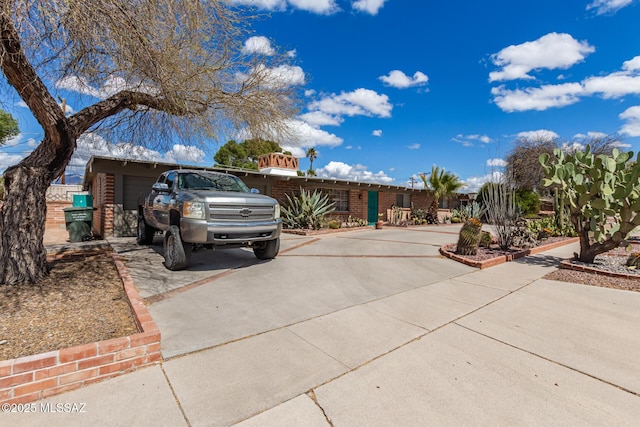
x=204 y=209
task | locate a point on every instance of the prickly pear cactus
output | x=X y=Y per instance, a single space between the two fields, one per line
x=469 y=237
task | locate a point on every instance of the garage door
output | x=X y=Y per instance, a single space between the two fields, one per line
x=133 y=187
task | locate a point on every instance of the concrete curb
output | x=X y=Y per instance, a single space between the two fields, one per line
x=503 y=258
x=35 y=377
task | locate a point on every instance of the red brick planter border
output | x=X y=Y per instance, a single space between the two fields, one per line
x=567 y=264
x=504 y=258
x=30 y=378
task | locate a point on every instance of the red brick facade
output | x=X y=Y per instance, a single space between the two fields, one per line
x=103 y=188
x=55 y=214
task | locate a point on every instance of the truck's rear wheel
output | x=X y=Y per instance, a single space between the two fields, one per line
x=175 y=253
x=268 y=249
x=145 y=232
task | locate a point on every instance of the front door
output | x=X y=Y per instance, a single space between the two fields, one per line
x=372 y=207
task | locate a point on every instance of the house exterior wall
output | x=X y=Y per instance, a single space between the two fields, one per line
x=106 y=180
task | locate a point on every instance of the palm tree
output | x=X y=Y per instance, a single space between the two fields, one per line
x=442 y=183
x=311 y=154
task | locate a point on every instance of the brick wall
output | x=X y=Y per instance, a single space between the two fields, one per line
x=385 y=201
x=55 y=214
x=421 y=200
x=103 y=189
x=39 y=376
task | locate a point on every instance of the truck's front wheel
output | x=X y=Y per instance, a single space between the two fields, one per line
x=268 y=249
x=175 y=254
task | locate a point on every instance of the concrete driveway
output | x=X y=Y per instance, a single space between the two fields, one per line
x=372 y=327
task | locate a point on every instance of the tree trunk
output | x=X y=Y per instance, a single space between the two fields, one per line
x=22 y=219
x=589 y=250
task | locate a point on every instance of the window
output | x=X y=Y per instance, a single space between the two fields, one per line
x=339 y=197
x=403 y=200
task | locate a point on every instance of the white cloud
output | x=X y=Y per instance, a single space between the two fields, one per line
x=322 y=7
x=377 y=132
x=258 y=44
x=551 y=51
x=475 y=183
x=413 y=146
x=400 y=80
x=614 y=85
x=500 y=163
x=319 y=118
x=369 y=6
x=306 y=136
x=110 y=87
x=469 y=140
x=603 y=7
x=184 y=154
x=590 y=135
x=277 y=5
x=22 y=104
x=91 y=144
x=291 y=75
x=18 y=148
x=364 y=102
x=340 y=170
x=540 y=99
x=539 y=135
x=7 y=160
x=632 y=117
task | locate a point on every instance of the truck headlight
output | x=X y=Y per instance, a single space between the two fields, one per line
x=276 y=211
x=193 y=210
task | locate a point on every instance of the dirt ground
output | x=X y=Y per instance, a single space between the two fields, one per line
x=82 y=301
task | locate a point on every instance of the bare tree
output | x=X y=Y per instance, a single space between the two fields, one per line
x=524 y=171
x=172 y=69
x=523 y=168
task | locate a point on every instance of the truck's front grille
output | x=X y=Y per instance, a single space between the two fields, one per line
x=240 y=212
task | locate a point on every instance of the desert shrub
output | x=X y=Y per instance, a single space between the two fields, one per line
x=528 y=201
x=306 y=210
x=353 y=221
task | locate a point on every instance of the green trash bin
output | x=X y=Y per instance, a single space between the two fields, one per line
x=79 y=221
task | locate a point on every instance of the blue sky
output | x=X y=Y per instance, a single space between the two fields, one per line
x=391 y=87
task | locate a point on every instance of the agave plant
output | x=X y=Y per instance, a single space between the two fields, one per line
x=306 y=210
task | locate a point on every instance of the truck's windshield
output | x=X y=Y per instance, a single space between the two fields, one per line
x=211 y=181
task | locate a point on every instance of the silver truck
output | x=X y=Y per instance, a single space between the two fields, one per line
x=203 y=209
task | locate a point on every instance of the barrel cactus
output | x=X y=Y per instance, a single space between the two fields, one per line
x=469 y=238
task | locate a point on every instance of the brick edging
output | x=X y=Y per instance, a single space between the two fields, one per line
x=567 y=264
x=504 y=258
x=30 y=378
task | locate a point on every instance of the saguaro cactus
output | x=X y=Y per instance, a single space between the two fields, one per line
x=602 y=194
x=469 y=237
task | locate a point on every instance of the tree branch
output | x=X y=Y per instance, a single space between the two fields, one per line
x=126 y=99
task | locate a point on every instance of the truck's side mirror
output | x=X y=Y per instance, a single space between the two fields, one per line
x=255 y=191
x=160 y=187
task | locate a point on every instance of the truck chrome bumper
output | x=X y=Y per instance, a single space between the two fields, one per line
x=201 y=231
